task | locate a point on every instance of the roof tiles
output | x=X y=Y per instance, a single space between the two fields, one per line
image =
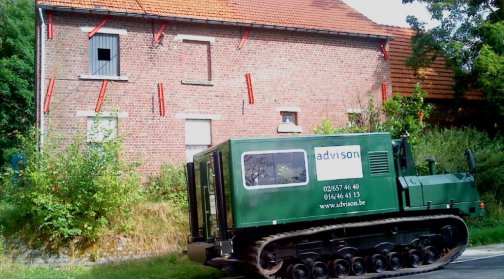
x=314 y=14
x=328 y=15
x=437 y=80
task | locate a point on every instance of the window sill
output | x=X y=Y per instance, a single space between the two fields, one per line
x=197 y=82
x=289 y=128
x=96 y=77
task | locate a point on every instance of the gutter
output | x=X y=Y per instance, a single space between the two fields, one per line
x=213 y=22
x=41 y=86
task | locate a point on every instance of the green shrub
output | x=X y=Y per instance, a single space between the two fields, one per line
x=327 y=128
x=448 y=147
x=170 y=185
x=8 y=212
x=407 y=115
x=63 y=193
x=403 y=115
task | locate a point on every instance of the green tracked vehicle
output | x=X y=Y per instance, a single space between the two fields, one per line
x=322 y=207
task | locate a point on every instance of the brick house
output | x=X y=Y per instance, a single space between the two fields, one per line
x=175 y=77
x=438 y=80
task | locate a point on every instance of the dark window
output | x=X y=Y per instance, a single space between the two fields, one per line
x=355 y=119
x=104 y=54
x=289 y=117
x=275 y=168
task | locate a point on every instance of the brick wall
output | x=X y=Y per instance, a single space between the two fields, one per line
x=321 y=75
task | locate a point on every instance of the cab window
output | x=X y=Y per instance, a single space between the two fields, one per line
x=274 y=168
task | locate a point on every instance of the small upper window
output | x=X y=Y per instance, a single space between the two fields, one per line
x=355 y=119
x=274 y=168
x=104 y=55
x=289 y=120
x=289 y=117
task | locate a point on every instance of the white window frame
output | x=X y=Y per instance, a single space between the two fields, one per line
x=274 y=185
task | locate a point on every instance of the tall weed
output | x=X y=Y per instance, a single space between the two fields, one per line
x=169 y=185
x=63 y=193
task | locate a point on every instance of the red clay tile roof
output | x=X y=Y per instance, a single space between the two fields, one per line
x=327 y=15
x=438 y=80
x=211 y=9
x=316 y=14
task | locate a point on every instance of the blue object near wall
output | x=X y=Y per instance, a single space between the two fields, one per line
x=18 y=162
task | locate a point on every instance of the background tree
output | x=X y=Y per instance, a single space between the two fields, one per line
x=17 y=42
x=471 y=38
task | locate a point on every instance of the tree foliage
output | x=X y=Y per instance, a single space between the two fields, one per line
x=169 y=185
x=17 y=42
x=471 y=38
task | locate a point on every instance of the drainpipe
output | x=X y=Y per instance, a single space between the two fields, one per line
x=42 y=78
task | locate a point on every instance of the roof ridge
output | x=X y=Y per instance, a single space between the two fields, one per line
x=395 y=26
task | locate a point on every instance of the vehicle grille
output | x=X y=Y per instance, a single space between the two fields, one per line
x=378 y=163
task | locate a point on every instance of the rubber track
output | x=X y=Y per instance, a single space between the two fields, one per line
x=254 y=256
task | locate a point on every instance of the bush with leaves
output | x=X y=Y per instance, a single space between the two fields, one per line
x=169 y=185
x=447 y=146
x=404 y=115
x=407 y=115
x=63 y=193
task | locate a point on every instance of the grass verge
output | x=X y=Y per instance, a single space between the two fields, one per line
x=172 y=266
x=486 y=235
x=489 y=229
x=154 y=227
